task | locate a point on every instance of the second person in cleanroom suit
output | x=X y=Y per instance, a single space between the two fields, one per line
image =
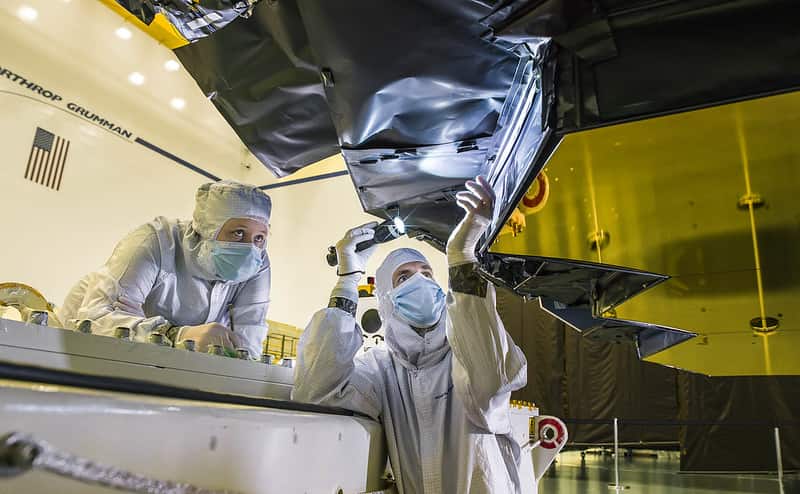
x=207 y=279
x=442 y=384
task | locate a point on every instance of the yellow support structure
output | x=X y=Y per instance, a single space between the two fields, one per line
x=282 y=340
x=160 y=29
x=708 y=197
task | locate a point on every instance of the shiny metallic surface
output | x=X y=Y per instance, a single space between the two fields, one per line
x=411 y=131
x=242 y=354
x=192 y=23
x=387 y=177
x=22 y=296
x=439 y=63
x=679 y=215
x=38 y=317
x=188 y=345
x=122 y=333
x=157 y=339
x=215 y=350
x=261 y=74
x=397 y=86
x=524 y=131
x=85 y=326
x=584 y=296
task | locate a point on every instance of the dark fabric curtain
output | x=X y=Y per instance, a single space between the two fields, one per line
x=541 y=337
x=588 y=383
x=750 y=408
x=576 y=378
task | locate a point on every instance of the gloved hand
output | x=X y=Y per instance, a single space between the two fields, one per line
x=209 y=334
x=478 y=202
x=350 y=261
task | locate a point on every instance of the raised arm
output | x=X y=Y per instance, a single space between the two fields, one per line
x=327 y=370
x=487 y=366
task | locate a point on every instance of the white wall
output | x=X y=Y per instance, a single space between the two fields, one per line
x=71 y=47
x=110 y=184
x=49 y=239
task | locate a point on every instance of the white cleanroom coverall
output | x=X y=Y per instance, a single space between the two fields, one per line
x=157 y=275
x=443 y=398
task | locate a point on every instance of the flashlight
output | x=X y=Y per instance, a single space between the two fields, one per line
x=388 y=230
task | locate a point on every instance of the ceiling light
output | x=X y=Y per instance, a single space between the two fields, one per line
x=123 y=33
x=27 y=14
x=172 y=65
x=177 y=103
x=136 y=78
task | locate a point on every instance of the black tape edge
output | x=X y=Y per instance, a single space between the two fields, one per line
x=176 y=159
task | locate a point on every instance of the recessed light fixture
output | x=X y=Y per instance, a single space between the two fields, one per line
x=172 y=65
x=136 y=78
x=123 y=33
x=27 y=13
x=177 y=103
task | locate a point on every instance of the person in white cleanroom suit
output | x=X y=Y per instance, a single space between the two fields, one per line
x=442 y=384
x=207 y=279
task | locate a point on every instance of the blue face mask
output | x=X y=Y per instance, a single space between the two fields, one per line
x=234 y=261
x=419 y=301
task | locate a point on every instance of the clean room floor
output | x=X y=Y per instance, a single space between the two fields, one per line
x=652 y=473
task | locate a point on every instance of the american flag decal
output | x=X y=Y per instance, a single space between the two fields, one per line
x=47 y=158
